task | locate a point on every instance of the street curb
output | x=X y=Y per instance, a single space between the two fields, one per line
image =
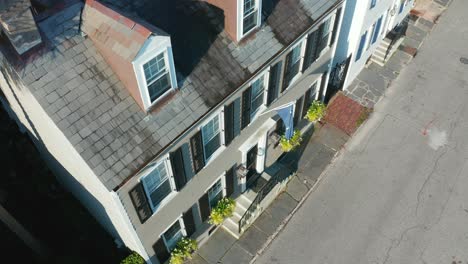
x=298 y=206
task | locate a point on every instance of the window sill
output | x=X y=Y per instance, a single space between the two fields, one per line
x=259 y=112
x=164 y=202
x=249 y=35
x=215 y=155
x=162 y=101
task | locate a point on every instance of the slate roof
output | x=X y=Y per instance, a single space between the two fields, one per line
x=89 y=104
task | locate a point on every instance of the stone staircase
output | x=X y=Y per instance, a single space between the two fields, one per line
x=231 y=225
x=383 y=49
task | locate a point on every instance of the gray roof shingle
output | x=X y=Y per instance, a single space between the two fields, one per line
x=90 y=105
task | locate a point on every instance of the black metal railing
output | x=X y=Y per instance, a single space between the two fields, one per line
x=397 y=34
x=262 y=193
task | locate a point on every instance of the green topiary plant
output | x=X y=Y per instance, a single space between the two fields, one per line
x=224 y=209
x=288 y=145
x=133 y=258
x=183 y=250
x=316 y=111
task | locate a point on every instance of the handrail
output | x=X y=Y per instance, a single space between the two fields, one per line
x=264 y=191
x=398 y=34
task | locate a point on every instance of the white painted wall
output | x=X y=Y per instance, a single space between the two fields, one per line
x=358 y=18
x=66 y=163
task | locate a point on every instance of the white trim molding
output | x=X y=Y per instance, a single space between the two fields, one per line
x=154 y=46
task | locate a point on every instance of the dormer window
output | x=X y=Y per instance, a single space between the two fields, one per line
x=250 y=16
x=157 y=77
x=155 y=70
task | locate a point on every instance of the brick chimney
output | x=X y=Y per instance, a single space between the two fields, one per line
x=229 y=8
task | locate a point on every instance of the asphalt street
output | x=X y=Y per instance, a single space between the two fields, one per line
x=399 y=191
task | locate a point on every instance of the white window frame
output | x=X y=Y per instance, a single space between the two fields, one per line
x=154 y=46
x=317 y=88
x=222 y=177
x=147 y=170
x=332 y=18
x=369 y=40
x=167 y=71
x=266 y=82
x=215 y=154
x=240 y=18
x=182 y=229
x=301 y=61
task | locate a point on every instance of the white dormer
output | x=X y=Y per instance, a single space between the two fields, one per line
x=155 y=70
x=248 y=17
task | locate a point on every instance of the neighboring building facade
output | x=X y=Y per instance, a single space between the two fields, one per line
x=365 y=25
x=145 y=111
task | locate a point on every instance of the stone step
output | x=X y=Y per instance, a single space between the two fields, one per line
x=379 y=56
x=231 y=228
x=243 y=202
x=380 y=52
x=378 y=62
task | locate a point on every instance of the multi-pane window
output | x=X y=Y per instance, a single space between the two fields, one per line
x=293 y=60
x=249 y=20
x=317 y=41
x=157 y=77
x=258 y=89
x=362 y=43
x=173 y=235
x=324 y=30
x=157 y=184
x=211 y=137
x=215 y=193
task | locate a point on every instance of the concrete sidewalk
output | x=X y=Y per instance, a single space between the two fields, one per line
x=309 y=162
x=371 y=83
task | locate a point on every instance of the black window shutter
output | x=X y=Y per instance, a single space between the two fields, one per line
x=246 y=95
x=138 y=197
x=286 y=72
x=307 y=102
x=335 y=26
x=273 y=83
x=204 y=204
x=297 y=110
x=228 y=123
x=198 y=158
x=161 y=251
x=230 y=182
x=177 y=162
x=189 y=223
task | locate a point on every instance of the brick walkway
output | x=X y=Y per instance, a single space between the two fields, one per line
x=344 y=113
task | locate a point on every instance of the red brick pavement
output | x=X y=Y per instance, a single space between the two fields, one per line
x=344 y=113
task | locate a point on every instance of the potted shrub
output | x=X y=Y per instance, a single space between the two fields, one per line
x=288 y=145
x=316 y=111
x=183 y=250
x=133 y=258
x=224 y=209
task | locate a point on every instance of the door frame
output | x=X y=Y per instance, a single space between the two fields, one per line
x=258 y=138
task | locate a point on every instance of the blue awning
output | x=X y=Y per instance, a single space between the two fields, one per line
x=287 y=114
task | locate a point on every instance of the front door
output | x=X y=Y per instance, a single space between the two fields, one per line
x=251 y=163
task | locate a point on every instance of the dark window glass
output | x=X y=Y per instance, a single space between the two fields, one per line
x=294 y=59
